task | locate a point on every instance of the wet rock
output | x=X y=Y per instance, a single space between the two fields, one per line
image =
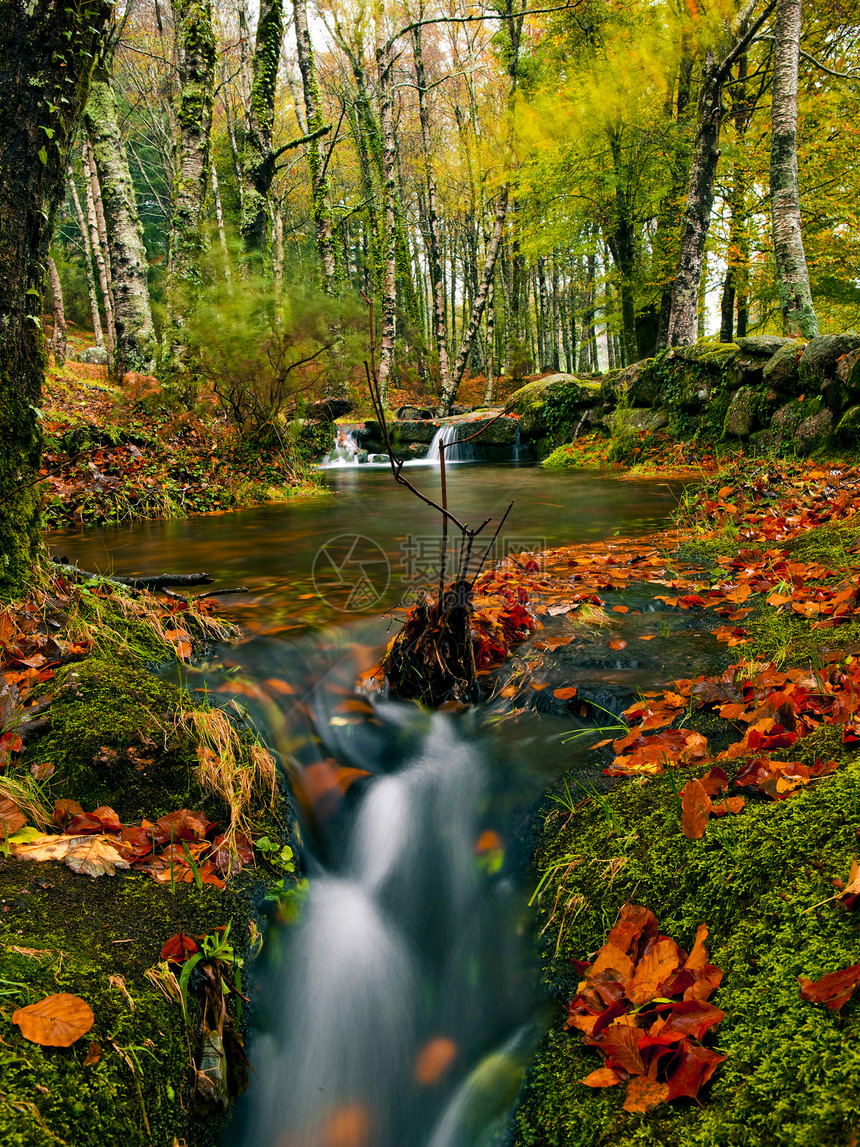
x=415 y=430
x=94 y=355
x=818 y=362
x=781 y=369
x=742 y=415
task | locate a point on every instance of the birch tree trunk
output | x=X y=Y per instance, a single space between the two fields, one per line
x=88 y=262
x=384 y=63
x=134 y=348
x=314 y=120
x=696 y=221
x=195 y=50
x=100 y=254
x=47 y=50
x=798 y=312
x=58 y=336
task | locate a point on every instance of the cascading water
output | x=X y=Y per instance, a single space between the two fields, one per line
x=401 y=991
x=455 y=451
x=345 y=451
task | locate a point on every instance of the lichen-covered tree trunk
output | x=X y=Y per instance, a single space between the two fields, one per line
x=315 y=120
x=46 y=53
x=697 y=209
x=384 y=64
x=195 y=51
x=99 y=252
x=258 y=157
x=792 y=274
x=134 y=346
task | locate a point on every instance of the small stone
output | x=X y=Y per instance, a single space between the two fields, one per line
x=94 y=356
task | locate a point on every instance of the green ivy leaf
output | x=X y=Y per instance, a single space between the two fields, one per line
x=43 y=155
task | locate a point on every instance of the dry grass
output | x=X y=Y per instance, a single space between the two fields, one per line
x=26 y=795
x=243 y=776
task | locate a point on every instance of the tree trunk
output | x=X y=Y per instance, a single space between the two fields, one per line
x=665 y=239
x=47 y=50
x=440 y=326
x=58 y=337
x=195 y=50
x=219 y=220
x=384 y=64
x=798 y=312
x=490 y=387
x=88 y=262
x=258 y=159
x=449 y=394
x=315 y=120
x=135 y=335
x=99 y=252
x=700 y=194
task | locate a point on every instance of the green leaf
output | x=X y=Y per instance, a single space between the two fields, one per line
x=43 y=155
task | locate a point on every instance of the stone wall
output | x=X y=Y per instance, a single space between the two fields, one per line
x=770 y=392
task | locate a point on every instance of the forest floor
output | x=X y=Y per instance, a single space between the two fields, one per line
x=123 y=453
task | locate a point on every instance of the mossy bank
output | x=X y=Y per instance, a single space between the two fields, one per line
x=120 y=736
x=763 y=883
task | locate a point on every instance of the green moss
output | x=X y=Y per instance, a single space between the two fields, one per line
x=82 y=932
x=113 y=741
x=791 y=1077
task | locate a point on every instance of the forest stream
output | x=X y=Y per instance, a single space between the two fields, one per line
x=403 y=1006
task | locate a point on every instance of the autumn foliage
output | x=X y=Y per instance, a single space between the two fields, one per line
x=643 y=1005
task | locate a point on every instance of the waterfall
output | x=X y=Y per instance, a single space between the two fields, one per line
x=454 y=450
x=344 y=452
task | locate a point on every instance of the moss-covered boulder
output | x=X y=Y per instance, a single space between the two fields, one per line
x=818 y=362
x=814 y=432
x=115 y=739
x=762 y=346
x=550 y=403
x=742 y=415
x=781 y=370
x=849 y=425
x=641 y=381
x=848 y=371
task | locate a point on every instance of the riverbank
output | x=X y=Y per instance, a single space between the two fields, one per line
x=774 y=549
x=115 y=454
x=171 y=836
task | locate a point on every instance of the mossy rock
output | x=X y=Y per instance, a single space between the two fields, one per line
x=503 y=431
x=818 y=362
x=113 y=740
x=415 y=430
x=706 y=352
x=542 y=404
x=742 y=415
x=849 y=425
x=642 y=382
x=813 y=434
x=781 y=370
x=762 y=346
